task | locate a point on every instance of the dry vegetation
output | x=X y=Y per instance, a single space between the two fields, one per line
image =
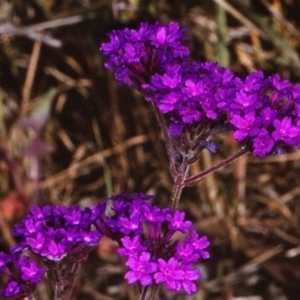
x=99 y=138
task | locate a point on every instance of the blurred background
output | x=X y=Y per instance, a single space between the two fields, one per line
x=69 y=134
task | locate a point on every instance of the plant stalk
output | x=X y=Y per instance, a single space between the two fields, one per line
x=196 y=178
x=178 y=186
x=167 y=139
x=149 y=292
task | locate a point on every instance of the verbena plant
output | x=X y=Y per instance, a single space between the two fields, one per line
x=192 y=100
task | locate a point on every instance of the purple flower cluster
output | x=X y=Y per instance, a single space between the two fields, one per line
x=137 y=54
x=158 y=244
x=54 y=232
x=192 y=93
x=199 y=99
x=23 y=273
x=154 y=60
x=266 y=113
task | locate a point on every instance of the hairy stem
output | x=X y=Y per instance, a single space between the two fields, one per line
x=149 y=292
x=153 y=294
x=63 y=289
x=167 y=139
x=178 y=186
x=196 y=178
x=144 y=293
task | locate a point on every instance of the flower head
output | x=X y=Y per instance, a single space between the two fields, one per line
x=265 y=113
x=23 y=275
x=192 y=93
x=137 y=54
x=146 y=234
x=55 y=232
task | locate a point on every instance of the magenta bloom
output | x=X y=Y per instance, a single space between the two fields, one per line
x=138 y=54
x=63 y=237
x=141 y=269
x=54 y=232
x=150 y=248
x=199 y=99
x=170 y=273
x=265 y=113
x=23 y=275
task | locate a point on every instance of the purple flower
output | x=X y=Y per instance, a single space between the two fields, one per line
x=199 y=243
x=23 y=275
x=194 y=97
x=170 y=273
x=63 y=237
x=140 y=269
x=176 y=222
x=72 y=215
x=151 y=250
x=265 y=113
x=245 y=126
x=131 y=224
x=30 y=271
x=56 y=250
x=138 y=54
x=90 y=237
x=176 y=127
x=132 y=246
x=153 y=214
x=168 y=102
x=245 y=99
x=193 y=93
x=32 y=226
x=167 y=36
x=36 y=241
x=211 y=146
x=170 y=80
x=12 y=289
x=268 y=115
x=189 y=276
x=285 y=131
x=186 y=253
x=197 y=98
x=61 y=232
x=263 y=143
